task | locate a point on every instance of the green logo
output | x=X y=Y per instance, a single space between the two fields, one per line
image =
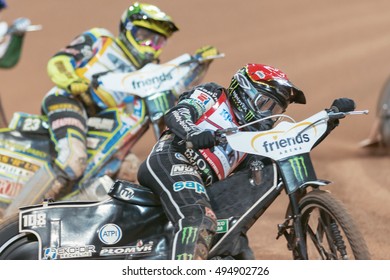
x=189 y=235
x=185 y=256
x=299 y=167
x=222 y=226
x=161 y=102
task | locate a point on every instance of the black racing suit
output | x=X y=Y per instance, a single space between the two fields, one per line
x=180 y=175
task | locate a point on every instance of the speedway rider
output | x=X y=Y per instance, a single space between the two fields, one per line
x=11 y=39
x=144 y=30
x=186 y=160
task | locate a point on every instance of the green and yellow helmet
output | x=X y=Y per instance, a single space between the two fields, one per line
x=144 y=30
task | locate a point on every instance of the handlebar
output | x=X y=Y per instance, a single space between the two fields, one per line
x=34 y=28
x=29 y=28
x=203 y=59
x=339 y=115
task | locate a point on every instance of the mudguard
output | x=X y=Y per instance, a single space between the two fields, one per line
x=113 y=228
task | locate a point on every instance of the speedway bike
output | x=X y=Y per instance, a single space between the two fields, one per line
x=131 y=224
x=25 y=146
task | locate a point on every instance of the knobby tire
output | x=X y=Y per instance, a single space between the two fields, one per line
x=333 y=228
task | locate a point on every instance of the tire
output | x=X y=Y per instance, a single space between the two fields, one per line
x=329 y=229
x=15 y=245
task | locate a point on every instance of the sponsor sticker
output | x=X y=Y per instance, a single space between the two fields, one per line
x=110 y=234
x=140 y=248
x=222 y=226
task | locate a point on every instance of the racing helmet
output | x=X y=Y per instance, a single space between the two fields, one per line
x=144 y=30
x=3 y=4
x=257 y=88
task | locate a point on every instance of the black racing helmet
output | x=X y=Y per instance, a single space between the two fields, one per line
x=256 y=88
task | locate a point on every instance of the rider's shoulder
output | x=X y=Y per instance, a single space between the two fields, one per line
x=100 y=32
x=210 y=87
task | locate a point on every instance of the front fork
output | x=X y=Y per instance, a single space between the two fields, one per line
x=292 y=230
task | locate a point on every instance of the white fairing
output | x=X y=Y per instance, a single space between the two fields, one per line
x=284 y=140
x=151 y=78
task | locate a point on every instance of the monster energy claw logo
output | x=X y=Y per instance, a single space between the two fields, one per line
x=189 y=235
x=299 y=167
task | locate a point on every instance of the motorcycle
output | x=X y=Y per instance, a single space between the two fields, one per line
x=4 y=31
x=131 y=224
x=25 y=146
x=379 y=136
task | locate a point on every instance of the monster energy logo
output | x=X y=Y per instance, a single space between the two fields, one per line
x=299 y=167
x=189 y=235
x=249 y=116
x=160 y=103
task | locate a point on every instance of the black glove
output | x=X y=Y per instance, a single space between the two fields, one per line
x=343 y=105
x=203 y=139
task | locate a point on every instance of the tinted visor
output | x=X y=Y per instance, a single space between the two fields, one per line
x=264 y=103
x=147 y=37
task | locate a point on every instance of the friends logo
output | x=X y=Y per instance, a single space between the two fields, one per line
x=285 y=143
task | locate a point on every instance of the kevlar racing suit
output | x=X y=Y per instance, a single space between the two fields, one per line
x=95 y=51
x=180 y=175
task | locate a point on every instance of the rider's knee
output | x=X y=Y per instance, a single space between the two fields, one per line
x=202 y=215
x=72 y=157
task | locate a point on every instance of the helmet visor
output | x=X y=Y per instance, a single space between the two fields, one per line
x=147 y=37
x=266 y=103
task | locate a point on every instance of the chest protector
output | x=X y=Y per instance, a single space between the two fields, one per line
x=222 y=158
x=108 y=56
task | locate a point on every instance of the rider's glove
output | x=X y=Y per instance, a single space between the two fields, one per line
x=203 y=139
x=343 y=105
x=78 y=87
x=206 y=51
x=20 y=25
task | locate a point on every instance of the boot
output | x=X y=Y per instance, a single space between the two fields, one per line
x=129 y=168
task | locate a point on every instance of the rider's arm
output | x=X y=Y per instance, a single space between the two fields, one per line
x=192 y=105
x=62 y=66
x=10 y=49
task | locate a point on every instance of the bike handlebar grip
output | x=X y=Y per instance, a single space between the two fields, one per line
x=334 y=109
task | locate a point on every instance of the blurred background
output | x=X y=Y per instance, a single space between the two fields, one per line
x=329 y=49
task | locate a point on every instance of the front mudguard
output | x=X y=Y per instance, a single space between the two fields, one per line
x=302 y=191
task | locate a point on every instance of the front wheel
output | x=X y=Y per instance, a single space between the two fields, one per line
x=329 y=229
x=15 y=245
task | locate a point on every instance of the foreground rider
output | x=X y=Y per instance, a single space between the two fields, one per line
x=185 y=160
x=144 y=30
x=11 y=39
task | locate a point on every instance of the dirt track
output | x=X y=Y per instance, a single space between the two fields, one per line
x=328 y=48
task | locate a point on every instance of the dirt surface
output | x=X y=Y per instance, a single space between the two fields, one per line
x=329 y=49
